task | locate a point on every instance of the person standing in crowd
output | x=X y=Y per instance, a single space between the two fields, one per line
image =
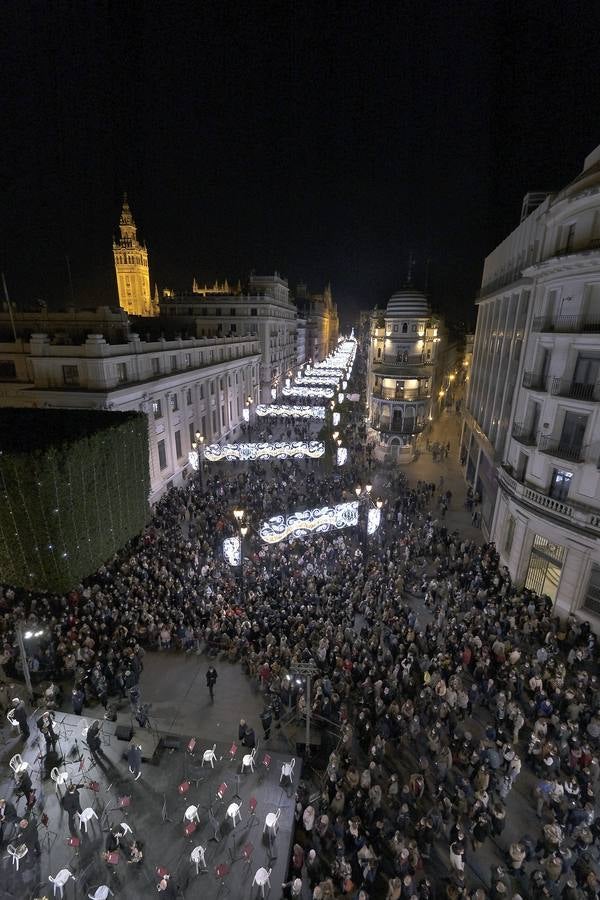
x=211 y=680
x=28 y=834
x=266 y=718
x=20 y=716
x=134 y=760
x=71 y=803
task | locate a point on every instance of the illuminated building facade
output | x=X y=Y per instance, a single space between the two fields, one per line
x=403 y=353
x=322 y=322
x=263 y=308
x=184 y=386
x=131 y=269
x=533 y=410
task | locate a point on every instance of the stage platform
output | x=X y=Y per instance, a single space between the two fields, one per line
x=171 y=781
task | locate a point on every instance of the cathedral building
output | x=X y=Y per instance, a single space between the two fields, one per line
x=131 y=269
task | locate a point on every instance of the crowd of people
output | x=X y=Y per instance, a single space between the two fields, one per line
x=466 y=716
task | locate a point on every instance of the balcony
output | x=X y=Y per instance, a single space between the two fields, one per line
x=555 y=447
x=383 y=393
x=581 y=324
x=564 y=387
x=568 y=513
x=533 y=381
x=524 y=434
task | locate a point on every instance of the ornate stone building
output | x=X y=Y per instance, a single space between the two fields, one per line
x=131 y=269
x=403 y=353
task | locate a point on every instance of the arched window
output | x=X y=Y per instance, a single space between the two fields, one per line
x=404 y=327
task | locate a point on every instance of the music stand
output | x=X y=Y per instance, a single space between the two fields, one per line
x=163 y=813
x=214 y=823
x=48 y=836
x=237 y=794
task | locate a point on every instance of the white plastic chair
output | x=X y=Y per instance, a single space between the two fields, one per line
x=272 y=822
x=17 y=853
x=287 y=770
x=248 y=760
x=59 y=778
x=198 y=858
x=101 y=893
x=86 y=816
x=233 y=810
x=124 y=829
x=60 y=879
x=18 y=764
x=191 y=814
x=261 y=878
x=209 y=756
x=10 y=715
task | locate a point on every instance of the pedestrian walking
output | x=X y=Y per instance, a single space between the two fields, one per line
x=211 y=680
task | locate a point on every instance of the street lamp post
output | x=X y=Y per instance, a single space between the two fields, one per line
x=309 y=671
x=199 y=445
x=243 y=529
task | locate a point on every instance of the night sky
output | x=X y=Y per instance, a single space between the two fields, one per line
x=324 y=140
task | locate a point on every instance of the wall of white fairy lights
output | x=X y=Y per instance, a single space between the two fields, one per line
x=264 y=451
x=284 y=409
x=374 y=520
x=232 y=551
x=317 y=393
x=309 y=521
x=316 y=381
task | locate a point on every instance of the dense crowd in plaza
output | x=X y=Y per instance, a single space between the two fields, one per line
x=456 y=698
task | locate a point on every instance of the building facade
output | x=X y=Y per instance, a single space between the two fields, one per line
x=184 y=386
x=132 y=270
x=322 y=321
x=403 y=353
x=263 y=310
x=546 y=432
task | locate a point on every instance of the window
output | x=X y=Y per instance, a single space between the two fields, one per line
x=192 y=432
x=396 y=327
x=187 y=360
x=178 y=444
x=509 y=535
x=188 y=396
x=559 y=484
x=155 y=365
x=591 y=600
x=218 y=311
x=223 y=415
x=232 y=312
x=214 y=422
x=202 y=392
x=157 y=409
x=404 y=327
x=221 y=383
x=212 y=387
x=70 y=374
x=254 y=311
x=379 y=353
x=545 y=567
x=203 y=426
x=173 y=363
x=8 y=370
x=162 y=455
x=174 y=402
x=121 y=373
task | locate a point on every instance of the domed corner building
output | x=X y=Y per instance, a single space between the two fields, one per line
x=404 y=350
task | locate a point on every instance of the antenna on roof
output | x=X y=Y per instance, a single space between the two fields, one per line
x=10 y=310
x=411 y=265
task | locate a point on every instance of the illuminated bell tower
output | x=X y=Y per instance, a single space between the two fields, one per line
x=131 y=268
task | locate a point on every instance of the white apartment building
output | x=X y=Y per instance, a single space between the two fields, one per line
x=183 y=385
x=403 y=352
x=265 y=310
x=546 y=516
